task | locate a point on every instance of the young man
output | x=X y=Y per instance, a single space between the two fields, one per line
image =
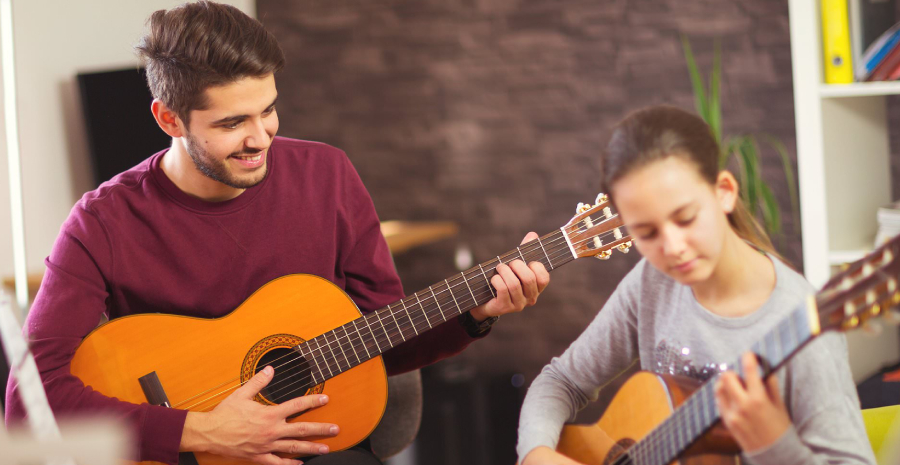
x=195 y=229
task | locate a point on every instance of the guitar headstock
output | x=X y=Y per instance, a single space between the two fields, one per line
x=596 y=230
x=868 y=288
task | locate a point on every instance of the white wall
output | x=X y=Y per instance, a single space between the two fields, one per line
x=55 y=40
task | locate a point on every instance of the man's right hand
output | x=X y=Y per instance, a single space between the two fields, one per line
x=546 y=456
x=242 y=428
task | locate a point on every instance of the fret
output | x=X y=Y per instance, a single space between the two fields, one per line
x=333 y=355
x=520 y=254
x=319 y=346
x=549 y=262
x=453 y=296
x=704 y=406
x=399 y=330
x=341 y=345
x=776 y=343
x=474 y=300
x=438 y=303
x=802 y=326
x=338 y=343
x=369 y=325
x=384 y=330
x=365 y=346
x=411 y=322
x=486 y=281
x=422 y=307
x=352 y=346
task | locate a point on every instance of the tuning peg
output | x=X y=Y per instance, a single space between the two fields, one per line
x=601 y=198
x=582 y=207
x=604 y=255
x=851 y=322
x=625 y=247
x=872 y=328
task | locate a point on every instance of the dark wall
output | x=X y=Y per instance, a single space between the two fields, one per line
x=491 y=113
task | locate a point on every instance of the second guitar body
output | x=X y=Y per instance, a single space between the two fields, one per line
x=640 y=406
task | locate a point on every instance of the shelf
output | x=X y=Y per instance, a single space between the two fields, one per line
x=859 y=89
x=840 y=257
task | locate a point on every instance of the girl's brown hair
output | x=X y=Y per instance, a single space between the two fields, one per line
x=657 y=132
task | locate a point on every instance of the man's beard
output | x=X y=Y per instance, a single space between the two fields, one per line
x=218 y=170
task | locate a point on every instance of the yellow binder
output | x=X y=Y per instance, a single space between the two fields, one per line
x=836 y=42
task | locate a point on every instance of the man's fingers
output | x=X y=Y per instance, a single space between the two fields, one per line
x=293 y=447
x=513 y=286
x=529 y=237
x=527 y=279
x=255 y=384
x=272 y=459
x=303 y=429
x=301 y=404
x=542 y=276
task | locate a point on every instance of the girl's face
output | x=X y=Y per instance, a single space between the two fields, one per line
x=677 y=219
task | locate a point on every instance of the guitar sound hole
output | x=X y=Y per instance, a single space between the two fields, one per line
x=292 y=375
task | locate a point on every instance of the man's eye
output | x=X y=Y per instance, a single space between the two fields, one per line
x=647 y=236
x=686 y=222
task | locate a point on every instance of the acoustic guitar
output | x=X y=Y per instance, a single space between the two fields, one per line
x=314 y=336
x=655 y=419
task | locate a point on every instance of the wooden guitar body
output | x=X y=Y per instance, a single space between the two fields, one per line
x=640 y=405
x=200 y=361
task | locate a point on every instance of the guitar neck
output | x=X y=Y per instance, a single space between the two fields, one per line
x=698 y=413
x=377 y=332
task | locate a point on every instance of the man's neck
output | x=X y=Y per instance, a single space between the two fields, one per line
x=180 y=169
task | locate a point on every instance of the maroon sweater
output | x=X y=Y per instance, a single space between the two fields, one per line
x=138 y=244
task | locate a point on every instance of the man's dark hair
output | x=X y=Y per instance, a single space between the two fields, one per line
x=199 y=45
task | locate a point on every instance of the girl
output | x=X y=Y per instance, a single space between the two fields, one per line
x=709 y=284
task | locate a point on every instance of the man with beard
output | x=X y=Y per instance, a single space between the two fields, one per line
x=197 y=228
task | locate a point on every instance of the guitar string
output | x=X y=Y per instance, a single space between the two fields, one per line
x=554 y=245
x=292 y=383
x=389 y=334
x=688 y=410
x=330 y=349
x=359 y=332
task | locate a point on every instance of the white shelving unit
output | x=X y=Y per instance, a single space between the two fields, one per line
x=843 y=158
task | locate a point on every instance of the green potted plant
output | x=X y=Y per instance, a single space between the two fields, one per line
x=742 y=150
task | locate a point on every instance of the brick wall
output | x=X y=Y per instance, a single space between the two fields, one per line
x=491 y=113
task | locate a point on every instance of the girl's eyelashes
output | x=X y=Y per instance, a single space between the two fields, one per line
x=686 y=222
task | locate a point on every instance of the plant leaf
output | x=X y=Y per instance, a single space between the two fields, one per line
x=700 y=101
x=788 y=177
x=713 y=105
x=770 y=210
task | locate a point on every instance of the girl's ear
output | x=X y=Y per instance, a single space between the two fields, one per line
x=727 y=191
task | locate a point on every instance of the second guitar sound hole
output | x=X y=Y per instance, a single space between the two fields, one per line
x=292 y=375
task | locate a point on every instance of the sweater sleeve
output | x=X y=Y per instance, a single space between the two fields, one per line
x=72 y=298
x=607 y=347
x=372 y=281
x=824 y=408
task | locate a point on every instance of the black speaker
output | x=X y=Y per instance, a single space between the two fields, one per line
x=121 y=131
x=468 y=418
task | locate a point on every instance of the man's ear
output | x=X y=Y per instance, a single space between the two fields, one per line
x=727 y=190
x=167 y=120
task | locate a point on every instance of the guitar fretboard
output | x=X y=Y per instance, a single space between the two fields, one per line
x=371 y=335
x=698 y=413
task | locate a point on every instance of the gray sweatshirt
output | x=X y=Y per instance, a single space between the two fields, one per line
x=656 y=319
